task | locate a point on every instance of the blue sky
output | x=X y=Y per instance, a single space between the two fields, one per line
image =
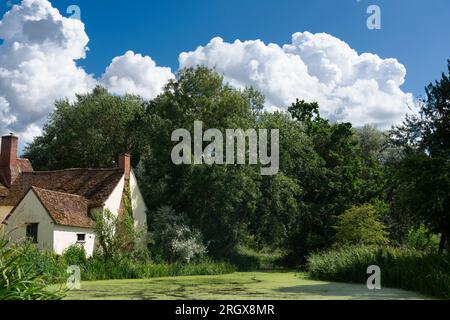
x=43 y=51
x=416 y=32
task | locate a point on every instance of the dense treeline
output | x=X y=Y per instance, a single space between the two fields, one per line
x=327 y=170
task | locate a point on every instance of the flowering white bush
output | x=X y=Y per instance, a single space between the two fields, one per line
x=173 y=239
x=187 y=244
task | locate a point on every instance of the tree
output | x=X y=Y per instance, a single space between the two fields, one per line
x=332 y=183
x=374 y=155
x=91 y=132
x=361 y=225
x=217 y=199
x=422 y=176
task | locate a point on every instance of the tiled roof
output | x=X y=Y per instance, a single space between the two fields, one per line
x=3 y=191
x=20 y=166
x=65 y=209
x=95 y=185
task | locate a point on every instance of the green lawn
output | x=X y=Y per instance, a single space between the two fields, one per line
x=248 y=285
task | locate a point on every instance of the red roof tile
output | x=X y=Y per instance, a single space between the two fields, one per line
x=65 y=209
x=3 y=191
x=11 y=173
x=95 y=185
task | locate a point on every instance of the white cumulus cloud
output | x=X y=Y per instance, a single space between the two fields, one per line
x=136 y=74
x=359 y=88
x=41 y=48
x=38 y=65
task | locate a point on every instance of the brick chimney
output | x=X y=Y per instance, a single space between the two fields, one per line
x=8 y=159
x=125 y=164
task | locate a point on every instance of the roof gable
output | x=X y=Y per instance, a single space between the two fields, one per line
x=65 y=209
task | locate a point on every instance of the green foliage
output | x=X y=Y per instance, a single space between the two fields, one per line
x=361 y=225
x=422 y=177
x=326 y=168
x=422 y=239
x=247 y=259
x=26 y=271
x=47 y=264
x=330 y=179
x=91 y=132
x=97 y=269
x=20 y=278
x=116 y=235
x=224 y=195
x=409 y=269
x=75 y=255
x=172 y=239
x=372 y=144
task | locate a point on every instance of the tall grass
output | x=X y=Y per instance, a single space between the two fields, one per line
x=20 y=279
x=248 y=259
x=425 y=272
x=26 y=272
x=98 y=269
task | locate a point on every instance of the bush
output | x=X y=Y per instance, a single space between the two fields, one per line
x=116 y=235
x=20 y=277
x=362 y=226
x=409 y=269
x=422 y=239
x=75 y=255
x=49 y=265
x=173 y=240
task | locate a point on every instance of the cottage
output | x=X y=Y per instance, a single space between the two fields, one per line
x=54 y=208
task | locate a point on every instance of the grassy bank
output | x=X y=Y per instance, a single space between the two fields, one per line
x=424 y=272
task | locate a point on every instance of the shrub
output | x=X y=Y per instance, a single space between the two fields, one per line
x=173 y=239
x=117 y=236
x=75 y=255
x=405 y=268
x=49 y=265
x=422 y=239
x=361 y=225
x=186 y=244
x=20 y=279
x=111 y=241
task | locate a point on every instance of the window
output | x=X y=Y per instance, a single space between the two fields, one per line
x=32 y=232
x=81 y=237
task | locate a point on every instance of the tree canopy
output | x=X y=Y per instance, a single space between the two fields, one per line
x=330 y=173
x=422 y=175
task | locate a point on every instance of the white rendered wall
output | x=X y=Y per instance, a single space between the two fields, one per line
x=65 y=237
x=113 y=202
x=137 y=203
x=30 y=210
